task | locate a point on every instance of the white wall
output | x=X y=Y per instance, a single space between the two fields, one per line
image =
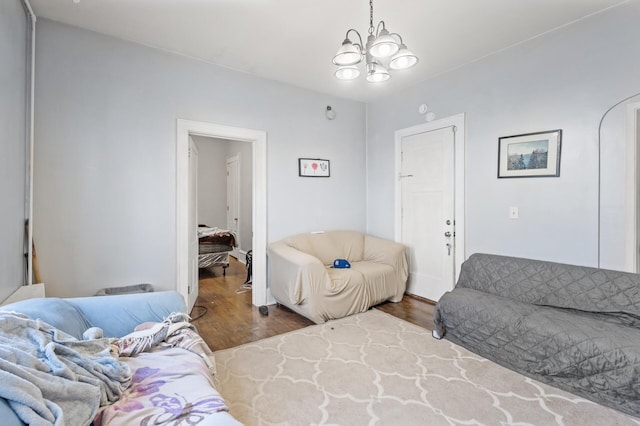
x=563 y=80
x=105 y=184
x=13 y=144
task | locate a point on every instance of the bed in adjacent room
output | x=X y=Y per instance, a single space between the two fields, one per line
x=214 y=246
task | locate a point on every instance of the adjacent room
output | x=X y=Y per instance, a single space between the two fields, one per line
x=296 y=212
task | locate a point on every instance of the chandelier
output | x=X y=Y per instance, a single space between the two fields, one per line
x=381 y=47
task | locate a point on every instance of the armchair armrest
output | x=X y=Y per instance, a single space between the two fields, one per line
x=289 y=265
x=384 y=251
x=389 y=253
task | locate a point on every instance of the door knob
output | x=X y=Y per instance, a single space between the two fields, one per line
x=447 y=234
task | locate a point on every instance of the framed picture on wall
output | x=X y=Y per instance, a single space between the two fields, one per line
x=313 y=167
x=530 y=155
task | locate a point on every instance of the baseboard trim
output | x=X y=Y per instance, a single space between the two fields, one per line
x=240 y=255
x=420 y=298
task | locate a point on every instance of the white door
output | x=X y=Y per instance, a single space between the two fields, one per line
x=193 y=224
x=427 y=211
x=233 y=197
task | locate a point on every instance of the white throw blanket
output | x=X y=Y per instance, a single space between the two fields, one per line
x=49 y=377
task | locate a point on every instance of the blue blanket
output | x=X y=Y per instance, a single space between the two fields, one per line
x=49 y=377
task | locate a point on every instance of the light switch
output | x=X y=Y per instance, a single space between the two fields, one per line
x=513 y=213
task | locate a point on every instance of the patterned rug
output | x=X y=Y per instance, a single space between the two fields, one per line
x=375 y=369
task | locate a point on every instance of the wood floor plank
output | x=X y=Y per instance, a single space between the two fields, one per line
x=229 y=319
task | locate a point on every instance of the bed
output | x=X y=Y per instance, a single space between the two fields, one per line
x=214 y=246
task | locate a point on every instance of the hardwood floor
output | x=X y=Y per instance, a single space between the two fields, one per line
x=230 y=319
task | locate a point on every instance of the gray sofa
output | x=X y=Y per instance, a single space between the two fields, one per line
x=573 y=327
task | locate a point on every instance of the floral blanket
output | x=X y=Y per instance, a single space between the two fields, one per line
x=171 y=385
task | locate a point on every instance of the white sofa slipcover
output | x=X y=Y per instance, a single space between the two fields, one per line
x=302 y=277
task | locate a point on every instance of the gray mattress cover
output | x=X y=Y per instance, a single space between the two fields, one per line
x=572 y=327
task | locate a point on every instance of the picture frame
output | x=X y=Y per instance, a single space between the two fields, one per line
x=530 y=155
x=313 y=167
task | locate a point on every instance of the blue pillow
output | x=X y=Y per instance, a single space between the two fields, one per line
x=56 y=312
x=341 y=264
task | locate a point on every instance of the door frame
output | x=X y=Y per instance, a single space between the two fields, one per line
x=235 y=158
x=192 y=295
x=457 y=121
x=632 y=209
x=258 y=138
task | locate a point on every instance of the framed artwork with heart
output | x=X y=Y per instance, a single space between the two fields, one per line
x=313 y=167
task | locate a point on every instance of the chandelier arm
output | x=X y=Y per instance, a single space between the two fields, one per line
x=360 y=45
x=378 y=28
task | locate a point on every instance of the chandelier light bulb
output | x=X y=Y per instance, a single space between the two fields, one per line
x=403 y=59
x=348 y=54
x=348 y=72
x=384 y=45
x=377 y=73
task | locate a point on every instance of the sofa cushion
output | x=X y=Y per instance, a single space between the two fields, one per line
x=591 y=355
x=59 y=313
x=552 y=284
x=379 y=278
x=160 y=395
x=345 y=280
x=329 y=246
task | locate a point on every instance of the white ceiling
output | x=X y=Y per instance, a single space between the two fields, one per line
x=294 y=41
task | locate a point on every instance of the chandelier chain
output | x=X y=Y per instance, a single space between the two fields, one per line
x=371 y=29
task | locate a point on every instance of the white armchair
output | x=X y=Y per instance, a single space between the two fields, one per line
x=302 y=277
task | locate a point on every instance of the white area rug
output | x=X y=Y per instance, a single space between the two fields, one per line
x=375 y=369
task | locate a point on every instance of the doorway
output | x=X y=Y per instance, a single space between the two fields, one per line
x=632 y=249
x=258 y=140
x=224 y=189
x=429 y=217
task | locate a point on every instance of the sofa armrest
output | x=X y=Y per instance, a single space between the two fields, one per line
x=294 y=274
x=120 y=314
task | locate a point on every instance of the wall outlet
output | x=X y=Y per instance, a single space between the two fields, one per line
x=514 y=213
